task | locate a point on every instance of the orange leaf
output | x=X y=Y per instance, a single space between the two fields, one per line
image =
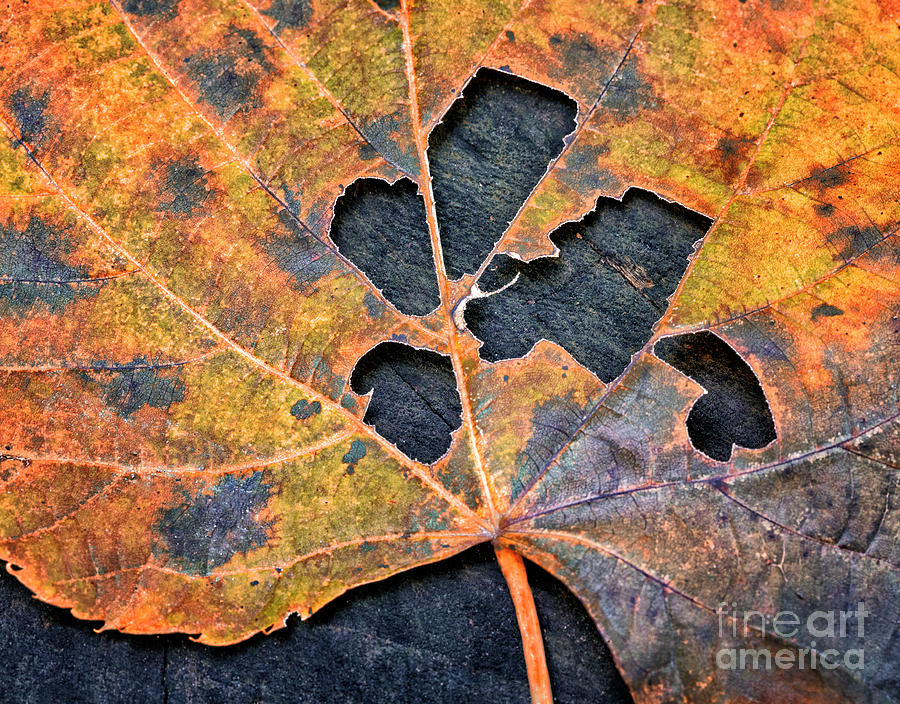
x=179 y=323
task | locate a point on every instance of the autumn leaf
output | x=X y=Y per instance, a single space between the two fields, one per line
x=643 y=253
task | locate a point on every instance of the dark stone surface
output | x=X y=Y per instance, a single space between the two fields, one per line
x=734 y=408
x=415 y=404
x=441 y=633
x=486 y=156
x=382 y=228
x=600 y=298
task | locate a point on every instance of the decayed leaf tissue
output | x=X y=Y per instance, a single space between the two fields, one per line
x=298 y=294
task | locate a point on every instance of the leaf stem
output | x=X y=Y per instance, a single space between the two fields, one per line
x=453 y=335
x=513 y=568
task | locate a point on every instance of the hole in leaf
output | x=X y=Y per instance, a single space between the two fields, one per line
x=600 y=298
x=382 y=229
x=487 y=155
x=415 y=403
x=734 y=408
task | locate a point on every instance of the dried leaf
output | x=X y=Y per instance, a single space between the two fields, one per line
x=183 y=448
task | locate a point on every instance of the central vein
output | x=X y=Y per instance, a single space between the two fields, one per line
x=453 y=340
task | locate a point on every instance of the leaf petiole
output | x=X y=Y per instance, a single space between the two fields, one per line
x=513 y=568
